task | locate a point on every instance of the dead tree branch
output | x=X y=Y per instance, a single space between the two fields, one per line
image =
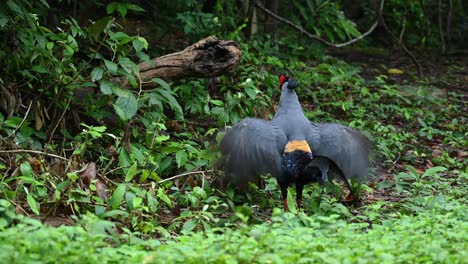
x=397 y=40
x=312 y=36
x=15 y=151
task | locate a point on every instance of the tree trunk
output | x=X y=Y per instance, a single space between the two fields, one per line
x=270 y=22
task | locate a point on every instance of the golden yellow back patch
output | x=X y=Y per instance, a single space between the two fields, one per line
x=297 y=145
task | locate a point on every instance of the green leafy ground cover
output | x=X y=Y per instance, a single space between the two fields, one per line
x=413 y=209
x=438 y=236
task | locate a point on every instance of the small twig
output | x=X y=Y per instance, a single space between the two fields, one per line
x=53 y=208
x=203 y=180
x=109 y=180
x=403 y=28
x=116 y=169
x=184 y=174
x=312 y=36
x=71 y=207
x=22 y=121
x=31 y=151
x=58 y=121
x=21 y=208
x=140 y=81
x=108 y=165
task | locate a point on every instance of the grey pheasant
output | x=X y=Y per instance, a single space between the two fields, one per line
x=292 y=149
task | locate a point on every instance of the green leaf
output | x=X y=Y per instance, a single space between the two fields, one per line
x=152 y=202
x=189 y=226
x=217 y=102
x=120 y=112
x=14 y=7
x=251 y=92
x=138 y=154
x=139 y=44
x=136 y=202
x=26 y=169
x=385 y=185
x=99 y=210
x=44 y=2
x=111 y=66
x=181 y=158
x=131 y=172
x=97 y=73
x=129 y=66
x=3 y=20
x=291 y=203
x=100 y=129
x=110 y=8
x=124 y=157
x=117 y=90
x=163 y=83
x=62 y=185
x=100 y=26
x=162 y=138
x=32 y=203
x=126 y=106
x=40 y=69
x=161 y=195
x=117 y=196
x=122 y=10
x=433 y=171
x=116 y=214
x=13 y=122
x=129 y=196
x=167 y=95
x=134 y=7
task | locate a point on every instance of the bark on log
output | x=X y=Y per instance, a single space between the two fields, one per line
x=208 y=57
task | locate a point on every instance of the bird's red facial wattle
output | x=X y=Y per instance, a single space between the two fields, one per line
x=282 y=79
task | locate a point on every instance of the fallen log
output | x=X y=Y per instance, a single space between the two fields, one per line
x=207 y=58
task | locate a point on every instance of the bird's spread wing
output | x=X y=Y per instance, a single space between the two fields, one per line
x=252 y=147
x=346 y=147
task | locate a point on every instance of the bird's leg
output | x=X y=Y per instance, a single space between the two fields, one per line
x=299 y=188
x=351 y=194
x=284 y=194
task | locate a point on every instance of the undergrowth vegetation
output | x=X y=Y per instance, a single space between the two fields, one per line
x=133 y=174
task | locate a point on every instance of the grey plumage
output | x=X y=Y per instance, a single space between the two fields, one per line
x=254 y=147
